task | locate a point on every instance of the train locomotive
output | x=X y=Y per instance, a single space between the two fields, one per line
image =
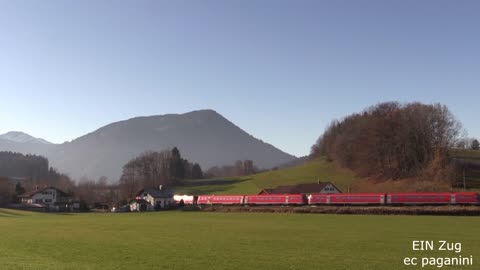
x=365 y=199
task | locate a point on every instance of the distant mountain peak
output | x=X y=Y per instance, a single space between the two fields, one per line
x=202 y=136
x=21 y=137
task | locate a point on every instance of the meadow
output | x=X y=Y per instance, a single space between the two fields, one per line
x=199 y=240
x=321 y=169
x=472 y=171
x=312 y=171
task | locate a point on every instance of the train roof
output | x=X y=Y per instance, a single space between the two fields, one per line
x=350 y=194
x=267 y=195
x=431 y=193
x=223 y=195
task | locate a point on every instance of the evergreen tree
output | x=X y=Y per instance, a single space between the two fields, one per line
x=197 y=171
x=19 y=190
x=475 y=144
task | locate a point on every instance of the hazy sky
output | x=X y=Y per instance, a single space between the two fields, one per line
x=281 y=70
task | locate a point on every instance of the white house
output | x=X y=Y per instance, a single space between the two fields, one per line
x=158 y=198
x=140 y=205
x=47 y=196
x=52 y=197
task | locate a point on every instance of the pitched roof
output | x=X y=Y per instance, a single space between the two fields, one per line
x=300 y=188
x=33 y=192
x=140 y=201
x=157 y=193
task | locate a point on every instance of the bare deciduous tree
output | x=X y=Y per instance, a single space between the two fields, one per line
x=390 y=140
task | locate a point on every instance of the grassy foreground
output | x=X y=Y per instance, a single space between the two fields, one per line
x=193 y=240
x=310 y=172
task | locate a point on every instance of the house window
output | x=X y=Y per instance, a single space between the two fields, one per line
x=48 y=200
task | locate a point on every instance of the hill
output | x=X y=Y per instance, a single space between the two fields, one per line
x=311 y=171
x=204 y=136
x=471 y=161
x=321 y=169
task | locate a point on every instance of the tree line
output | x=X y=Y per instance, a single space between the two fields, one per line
x=240 y=168
x=393 y=141
x=33 y=170
x=149 y=169
x=16 y=164
x=153 y=169
x=468 y=143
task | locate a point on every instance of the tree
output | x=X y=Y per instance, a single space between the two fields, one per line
x=152 y=169
x=6 y=191
x=197 y=171
x=19 y=189
x=176 y=165
x=475 y=144
x=238 y=168
x=390 y=140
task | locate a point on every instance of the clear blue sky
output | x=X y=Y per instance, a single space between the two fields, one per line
x=281 y=70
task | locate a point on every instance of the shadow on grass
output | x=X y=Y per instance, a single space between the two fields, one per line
x=61 y=213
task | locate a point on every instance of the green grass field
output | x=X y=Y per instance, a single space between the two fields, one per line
x=312 y=171
x=466 y=153
x=199 y=240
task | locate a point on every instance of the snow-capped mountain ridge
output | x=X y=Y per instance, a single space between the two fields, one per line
x=21 y=137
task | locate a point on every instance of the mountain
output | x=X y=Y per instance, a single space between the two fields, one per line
x=23 y=143
x=202 y=136
x=20 y=137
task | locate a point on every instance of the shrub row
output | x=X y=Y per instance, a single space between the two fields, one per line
x=354 y=210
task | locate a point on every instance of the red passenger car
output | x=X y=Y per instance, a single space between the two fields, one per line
x=226 y=199
x=318 y=199
x=356 y=198
x=467 y=198
x=421 y=198
x=275 y=199
x=203 y=199
x=220 y=199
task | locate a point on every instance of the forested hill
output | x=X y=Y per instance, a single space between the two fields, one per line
x=20 y=165
x=395 y=141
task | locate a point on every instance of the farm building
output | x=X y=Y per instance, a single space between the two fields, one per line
x=157 y=198
x=309 y=188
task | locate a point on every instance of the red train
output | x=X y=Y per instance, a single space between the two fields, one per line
x=412 y=198
x=278 y=199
